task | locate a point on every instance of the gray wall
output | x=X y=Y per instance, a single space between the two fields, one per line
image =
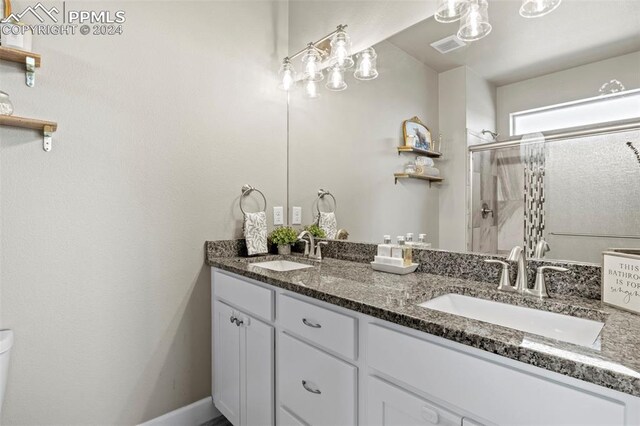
x=346 y=142
x=102 y=273
x=564 y=86
x=466 y=101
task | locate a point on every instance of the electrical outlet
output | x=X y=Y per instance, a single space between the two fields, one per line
x=296 y=216
x=278 y=215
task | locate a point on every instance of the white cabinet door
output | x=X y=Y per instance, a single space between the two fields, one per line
x=389 y=405
x=226 y=361
x=258 y=403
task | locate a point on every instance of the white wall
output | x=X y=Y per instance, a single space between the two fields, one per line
x=346 y=142
x=564 y=86
x=102 y=269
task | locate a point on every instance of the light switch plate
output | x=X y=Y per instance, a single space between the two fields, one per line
x=278 y=215
x=296 y=216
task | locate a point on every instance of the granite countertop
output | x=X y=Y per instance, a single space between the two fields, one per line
x=394 y=298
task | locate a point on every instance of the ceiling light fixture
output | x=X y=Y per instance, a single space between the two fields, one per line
x=537 y=8
x=450 y=11
x=474 y=15
x=475 y=24
x=331 y=52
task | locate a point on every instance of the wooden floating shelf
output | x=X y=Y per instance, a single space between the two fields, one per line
x=46 y=127
x=417 y=176
x=28 y=123
x=16 y=55
x=425 y=152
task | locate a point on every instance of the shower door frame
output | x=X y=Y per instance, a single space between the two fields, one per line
x=547 y=136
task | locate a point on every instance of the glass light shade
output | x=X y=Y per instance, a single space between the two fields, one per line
x=450 y=10
x=335 y=79
x=537 y=8
x=366 y=65
x=311 y=61
x=311 y=89
x=475 y=24
x=287 y=76
x=341 y=50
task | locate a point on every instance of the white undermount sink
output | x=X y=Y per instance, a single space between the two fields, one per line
x=281 y=265
x=561 y=327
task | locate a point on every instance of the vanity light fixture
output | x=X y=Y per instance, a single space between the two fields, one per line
x=333 y=53
x=341 y=49
x=366 y=65
x=450 y=10
x=311 y=89
x=287 y=75
x=475 y=24
x=312 y=62
x=537 y=8
x=336 y=78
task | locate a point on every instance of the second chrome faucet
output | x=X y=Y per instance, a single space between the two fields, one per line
x=521 y=286
x=312 y=250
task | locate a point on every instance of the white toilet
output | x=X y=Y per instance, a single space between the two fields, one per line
x=6 y=341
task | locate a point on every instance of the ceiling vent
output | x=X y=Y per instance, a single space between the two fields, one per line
x=448 y=44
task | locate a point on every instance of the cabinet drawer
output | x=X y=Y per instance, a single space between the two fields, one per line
x=317 y=387
x=472 y=383
x=334 y=331
x=288 y=419
x=251 y=298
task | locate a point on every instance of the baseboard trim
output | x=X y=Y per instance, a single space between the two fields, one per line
x=191 y=415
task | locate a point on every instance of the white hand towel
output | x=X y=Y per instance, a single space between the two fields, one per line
x=327 y=222
x=255 y=232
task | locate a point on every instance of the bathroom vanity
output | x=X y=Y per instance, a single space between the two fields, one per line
x=339 y=344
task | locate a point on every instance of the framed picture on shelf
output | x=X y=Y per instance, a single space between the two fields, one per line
x=416 y=134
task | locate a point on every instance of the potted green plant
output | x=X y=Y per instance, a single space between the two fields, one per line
x=283 y=237
x=316 y=231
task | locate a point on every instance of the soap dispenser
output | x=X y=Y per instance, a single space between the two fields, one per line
x=385 y=248
x=403 y=251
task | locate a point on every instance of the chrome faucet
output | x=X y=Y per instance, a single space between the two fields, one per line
x=517 y=255
x=541 y=248
x=309 y=246
x=311 y=249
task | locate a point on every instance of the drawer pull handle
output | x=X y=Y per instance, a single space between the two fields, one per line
x=309 y=389
x=232 y=319
x=310 y=324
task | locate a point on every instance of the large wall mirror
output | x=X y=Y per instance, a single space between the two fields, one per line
x=534 y=134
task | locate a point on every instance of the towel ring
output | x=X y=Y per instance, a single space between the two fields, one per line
x=248 y=189
x=321 y=194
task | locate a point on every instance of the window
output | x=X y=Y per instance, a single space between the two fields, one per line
x=601 y=109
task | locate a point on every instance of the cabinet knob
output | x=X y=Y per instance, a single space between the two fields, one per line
x=239 y=322
x=308 y=388
x=232 y=319
x=310 y=324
